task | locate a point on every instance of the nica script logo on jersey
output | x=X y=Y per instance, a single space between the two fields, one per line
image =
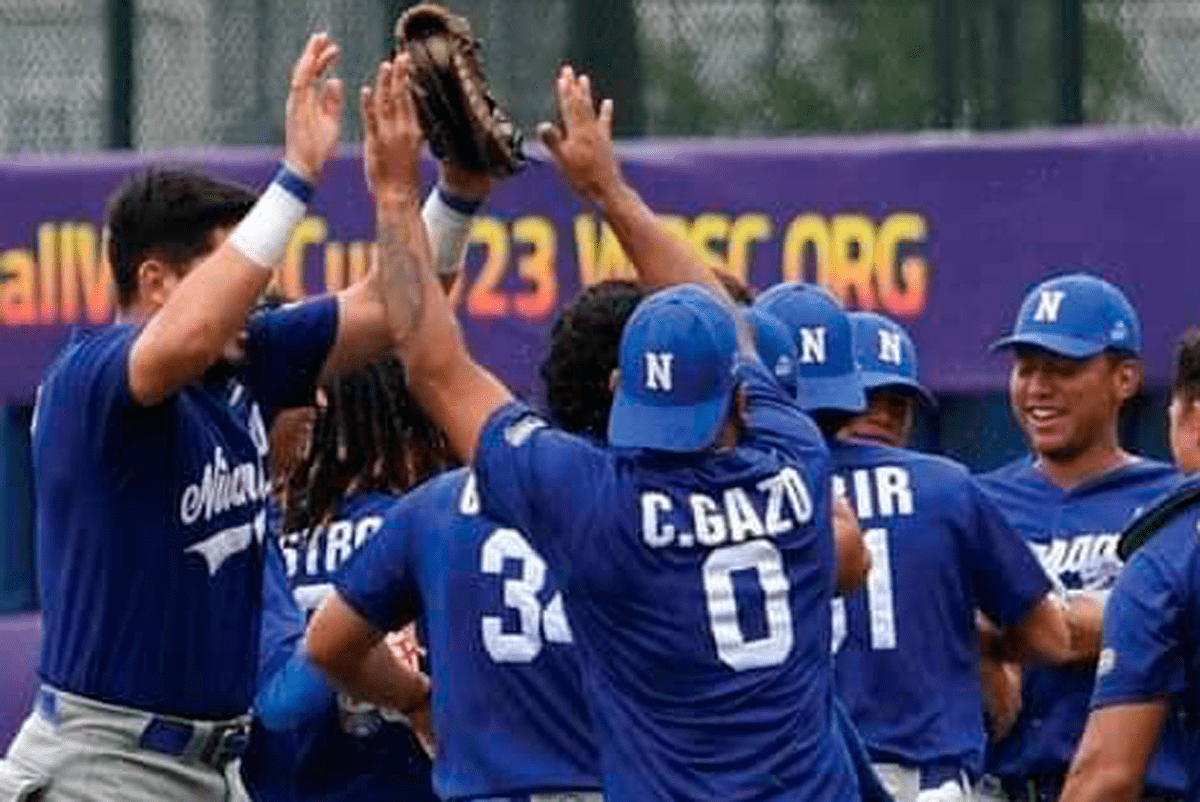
x=1083 y=562
x=223 y=487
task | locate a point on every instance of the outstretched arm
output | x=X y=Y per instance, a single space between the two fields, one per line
x=582 y=148
x=1111 y=760
x=208 y=309
x=455 y=391
x=363 y=331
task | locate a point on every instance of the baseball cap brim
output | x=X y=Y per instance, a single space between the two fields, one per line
x=1071 y=347
x=693 y=427
x=838 y=393
x=874 y=380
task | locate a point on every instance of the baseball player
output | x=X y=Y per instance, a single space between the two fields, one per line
x=1148 y=668
x=577 y=374
x=148 y=449
x=1076 y=345
x=906 y=647
x=690 y=573
x=369 y=444
x=509 y=713
x=887 y=363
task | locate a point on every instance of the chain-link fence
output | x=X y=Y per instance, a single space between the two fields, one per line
x=203 y=72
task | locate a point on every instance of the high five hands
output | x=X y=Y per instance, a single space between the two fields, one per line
x=314 y=108
x=581 y=142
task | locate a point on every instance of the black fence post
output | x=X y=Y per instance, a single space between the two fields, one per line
x=1070 y=62
x=945 y=62
x=119 y=18
x=1007 y=75
x=602 y=39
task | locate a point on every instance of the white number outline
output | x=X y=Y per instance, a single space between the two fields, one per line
x=733 y=649
x=520 y=593
x=881 y=602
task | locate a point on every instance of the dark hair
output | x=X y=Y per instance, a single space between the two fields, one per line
x=1186 y=384
x=831 y=421
x=584 y=344
x=170 y=215
x=370 y=435
x=738 y=291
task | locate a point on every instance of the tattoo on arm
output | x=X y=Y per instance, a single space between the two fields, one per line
x=401 y=272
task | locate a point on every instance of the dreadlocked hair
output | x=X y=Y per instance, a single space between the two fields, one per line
x=369 y=436
x=583 y=353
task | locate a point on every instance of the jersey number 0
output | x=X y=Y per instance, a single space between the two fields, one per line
x=733 y=648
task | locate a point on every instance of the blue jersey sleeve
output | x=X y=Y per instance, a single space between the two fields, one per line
x=379 y=581
x=93 y=376
x=286 y=349
x=540 y=480
x=1006 y=574
x=291 y=691
x=773 y=418
x=1143 y=656
x=282 y=624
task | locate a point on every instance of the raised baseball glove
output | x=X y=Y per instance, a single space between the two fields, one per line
x=462 y=121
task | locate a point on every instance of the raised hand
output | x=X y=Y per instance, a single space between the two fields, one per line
x=582 y=144
x=392 y=147
x=314 y=108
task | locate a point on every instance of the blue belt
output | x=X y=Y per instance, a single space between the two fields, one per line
x=213 y=743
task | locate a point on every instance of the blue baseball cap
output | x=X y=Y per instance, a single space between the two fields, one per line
x=1076 y=316
x=677 y=380
x=886 y=354
x=827 y=376
x=775 y=347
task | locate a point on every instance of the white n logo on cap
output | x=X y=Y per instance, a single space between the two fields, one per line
x=1049 y=302
x=658 y=370
x=812 y=346
x=889 y=347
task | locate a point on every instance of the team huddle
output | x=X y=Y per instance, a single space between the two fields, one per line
x=314 y=550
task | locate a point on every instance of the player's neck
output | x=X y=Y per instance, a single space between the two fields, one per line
x=1086 y=466
x=136 y=314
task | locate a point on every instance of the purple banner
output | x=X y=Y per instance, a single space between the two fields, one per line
x=944 y=233
x=21 y=635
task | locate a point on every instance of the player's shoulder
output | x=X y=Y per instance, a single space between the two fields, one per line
x=443 y=495
x=1172 y=553
x=931 y=467
x=365 y=503
x=1152 y=474
x=88 y=346
x=1019 y=472
x=515 y=425
x=1015 y=482
x=1178 y=508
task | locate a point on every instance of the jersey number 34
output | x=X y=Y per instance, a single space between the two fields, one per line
x=535 y=624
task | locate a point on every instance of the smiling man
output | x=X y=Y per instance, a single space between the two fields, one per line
x=1077 y=344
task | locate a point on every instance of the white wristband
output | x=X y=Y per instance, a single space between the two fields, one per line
x=449 y=226
x=263 y=234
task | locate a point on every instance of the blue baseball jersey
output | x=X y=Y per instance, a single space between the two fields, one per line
x=356 y=751
x=698 y=586
x=1074 y=533
x=508 y=705
x=907 y=646
x=1152 y=634
x=150 y=520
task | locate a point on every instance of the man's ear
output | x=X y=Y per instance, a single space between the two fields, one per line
x=152 y=278
x=1129 y=378
x=613 y=379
